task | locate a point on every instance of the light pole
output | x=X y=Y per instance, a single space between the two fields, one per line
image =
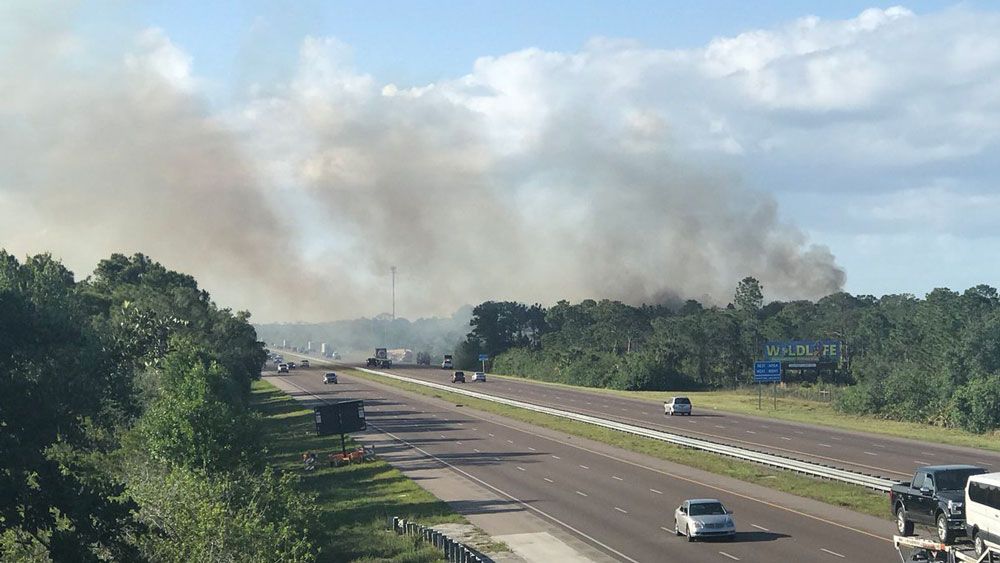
x=393 y=319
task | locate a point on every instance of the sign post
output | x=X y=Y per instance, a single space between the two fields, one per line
x=340 y=418
x=483 y=358
x=766 y=372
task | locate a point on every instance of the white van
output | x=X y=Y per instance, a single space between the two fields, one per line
x=982 y=511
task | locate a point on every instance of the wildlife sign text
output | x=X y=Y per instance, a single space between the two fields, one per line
x=804 y=352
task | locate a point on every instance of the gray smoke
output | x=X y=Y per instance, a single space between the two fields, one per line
x=296 y=204
x=102 y=156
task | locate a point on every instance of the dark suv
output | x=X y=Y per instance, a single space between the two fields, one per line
x=459 y=377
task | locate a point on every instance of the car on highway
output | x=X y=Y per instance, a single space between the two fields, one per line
x=982 y=511
x=704 y=518
x=479 y=376
x=677 y=405
x=282 y=368
x=459 y=377
x=305 y=363
x=936 y=497
x=329 y=377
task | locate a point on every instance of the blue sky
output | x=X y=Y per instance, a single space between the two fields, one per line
x=412 y=43
x=551 y=150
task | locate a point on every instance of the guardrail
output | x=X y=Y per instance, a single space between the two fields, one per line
x=773 y=460
x=454 y=552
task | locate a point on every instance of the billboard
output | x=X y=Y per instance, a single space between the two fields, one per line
x=340 y=418
x=804 y=353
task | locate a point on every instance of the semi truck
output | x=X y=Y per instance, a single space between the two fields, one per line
x=380 y=360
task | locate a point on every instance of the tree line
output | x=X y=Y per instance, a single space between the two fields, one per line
x=125 y=427
x=934 y=360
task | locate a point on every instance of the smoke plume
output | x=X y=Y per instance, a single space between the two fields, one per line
x=536 y=177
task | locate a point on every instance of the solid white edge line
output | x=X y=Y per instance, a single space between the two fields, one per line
x=510 y=496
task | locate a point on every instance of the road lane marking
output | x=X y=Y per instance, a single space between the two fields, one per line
x=582 y=494
x=835 y=438
x=459 y=443
x=510 y=441
x=442 y=435
x=870 y=453
x=928 y=454
x=920 y=462
x=519 y=468
x=617 y=477
x=621 y=510
x=510 y=496
x=832 y=552
x=496 y=459
x=549 y=480
x=634 y=464
x=492 y=436
x=584 y=467
x=825 y=445
x=666 y=530
x=476 y=450
x=733 y=557
x=748 y=432
x=557 y=457
x=879 y=445
x=655 y=491
x=719 y=426
x=532 y=449
x=760 y=527
x=786 y=438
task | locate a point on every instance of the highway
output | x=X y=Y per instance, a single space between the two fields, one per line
x=620 y=503
x=885 y=456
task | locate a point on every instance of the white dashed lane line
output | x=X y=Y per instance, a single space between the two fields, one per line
x=532 y=449
x=510 y=441
x=655 y=491
x=617 y=478
x=733 y=557
x=584 y=467
x=519 y=468
x=826 y=445
x=762 y=528
x=834 y=553
x=582 y=494
x=666 y=530
x=748 y=432
x=556 y=457
x=920 y=462
x=547 y=479
x=871 y=453
x=622 y=510
x=786 y=438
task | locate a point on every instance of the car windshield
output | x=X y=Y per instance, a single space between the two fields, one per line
x=707 y=509
x=955 y=479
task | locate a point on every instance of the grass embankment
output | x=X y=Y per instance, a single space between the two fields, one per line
x=806 y=411
x=354 y=501
x=838 y=494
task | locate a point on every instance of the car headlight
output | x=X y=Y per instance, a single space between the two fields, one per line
x=954 y=506
x=698 y=524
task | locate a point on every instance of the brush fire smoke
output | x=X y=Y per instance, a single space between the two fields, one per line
x=536 y=177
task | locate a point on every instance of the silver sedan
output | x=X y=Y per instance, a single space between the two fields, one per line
x=704 y=518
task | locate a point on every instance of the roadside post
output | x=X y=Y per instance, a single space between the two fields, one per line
x=483 y=358
x=766 y=372
x=340 y=418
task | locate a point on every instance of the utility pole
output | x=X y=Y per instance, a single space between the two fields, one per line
x=391 y=322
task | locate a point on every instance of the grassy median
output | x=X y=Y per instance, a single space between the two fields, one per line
x=801 y=410
x=354 y=501
x=838 y=494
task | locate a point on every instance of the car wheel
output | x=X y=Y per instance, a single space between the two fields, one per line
x=689 y=536
x=977 y=541
x=903 y=526
x=943 y=533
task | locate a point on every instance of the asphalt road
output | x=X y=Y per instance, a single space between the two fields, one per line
x=892 y=458
x=619 y=502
